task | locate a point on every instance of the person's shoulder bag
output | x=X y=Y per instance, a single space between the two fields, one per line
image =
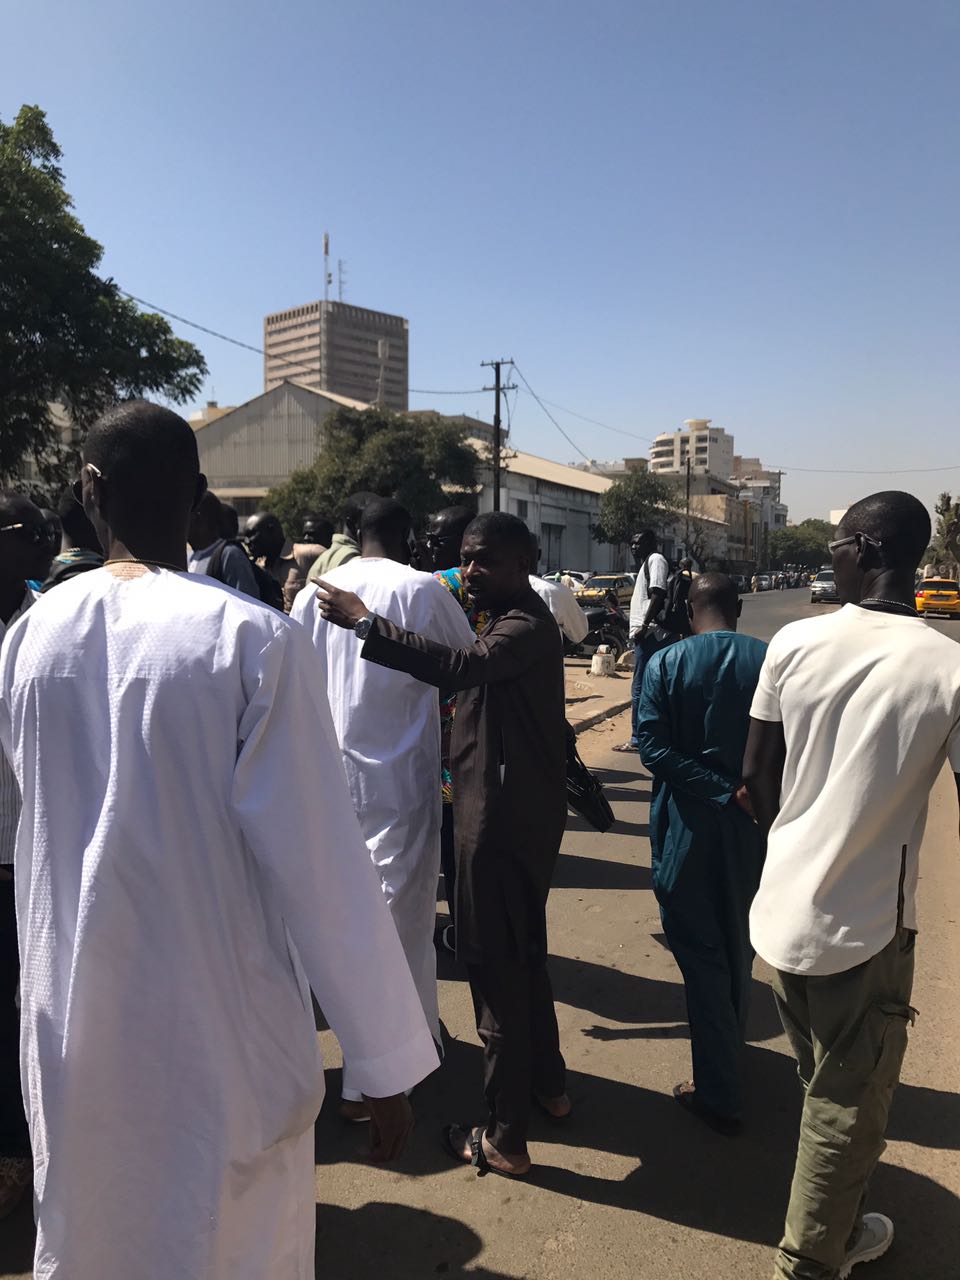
x=585 y=790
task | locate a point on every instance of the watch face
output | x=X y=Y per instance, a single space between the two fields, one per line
x=363 y=627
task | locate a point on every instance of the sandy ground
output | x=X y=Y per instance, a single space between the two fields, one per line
x=632 y=1187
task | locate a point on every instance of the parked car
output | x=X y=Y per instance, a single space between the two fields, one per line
x=578 y=575
x=602 y=585
x=762 y=582
x=823 y=589
x=938 y=595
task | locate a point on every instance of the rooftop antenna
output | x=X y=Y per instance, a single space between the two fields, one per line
x=341 y=277
x=327 y=275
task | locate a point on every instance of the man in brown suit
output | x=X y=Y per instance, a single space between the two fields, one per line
x=508 y=759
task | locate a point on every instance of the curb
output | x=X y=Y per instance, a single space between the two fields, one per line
x=598 y=717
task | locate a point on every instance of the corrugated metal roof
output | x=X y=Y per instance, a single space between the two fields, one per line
x=528 y=464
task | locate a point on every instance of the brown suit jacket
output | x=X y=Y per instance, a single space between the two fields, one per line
x=508 y=758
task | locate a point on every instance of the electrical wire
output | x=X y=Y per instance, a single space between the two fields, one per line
x=249 y=346
x=473 y=391
x=595 y=422
x=573 y=444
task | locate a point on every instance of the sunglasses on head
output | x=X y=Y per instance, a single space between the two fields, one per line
x=853 y=537
x=35 y=533
x=78 y=483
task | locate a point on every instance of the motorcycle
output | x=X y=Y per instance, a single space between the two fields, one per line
x=608 y=625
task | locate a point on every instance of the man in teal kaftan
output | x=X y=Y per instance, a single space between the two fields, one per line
x=707 y=850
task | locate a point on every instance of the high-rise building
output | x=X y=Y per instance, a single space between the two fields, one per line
x=709 y=448
x=337 y=347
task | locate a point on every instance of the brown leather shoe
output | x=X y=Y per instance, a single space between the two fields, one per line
x=16 y=1177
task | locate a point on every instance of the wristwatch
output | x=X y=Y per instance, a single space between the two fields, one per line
x=362 y=628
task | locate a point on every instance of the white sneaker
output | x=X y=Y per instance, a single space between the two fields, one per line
x=876 y=1237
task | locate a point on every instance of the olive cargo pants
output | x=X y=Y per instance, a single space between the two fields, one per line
x=849 y=1033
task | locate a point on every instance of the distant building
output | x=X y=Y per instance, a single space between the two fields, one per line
x=210 y=412
x=475 y=428
x=340 y=348
x=613 y=470
x=558 y=503
x=245 y=452
x=837 y=515
x=709 y=449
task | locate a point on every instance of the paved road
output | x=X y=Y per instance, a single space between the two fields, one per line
x=764 y=615
x=632 y=1188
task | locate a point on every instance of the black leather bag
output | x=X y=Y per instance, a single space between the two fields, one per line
x=584 y=791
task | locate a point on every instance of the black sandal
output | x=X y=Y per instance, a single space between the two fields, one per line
x=478 y=1157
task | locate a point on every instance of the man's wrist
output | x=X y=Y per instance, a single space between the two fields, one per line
x=364 y=625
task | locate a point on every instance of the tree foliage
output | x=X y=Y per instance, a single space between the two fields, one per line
x=67 y=335
x=803 y=544
x=641 y=500
x=946 y=534
x=426 y=465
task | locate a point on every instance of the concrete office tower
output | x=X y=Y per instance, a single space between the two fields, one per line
x=334 y=346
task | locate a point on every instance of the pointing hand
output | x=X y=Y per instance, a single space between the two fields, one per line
x=342 y=608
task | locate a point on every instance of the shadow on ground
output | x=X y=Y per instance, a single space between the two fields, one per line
x=397 y=1241
x=683 y=1173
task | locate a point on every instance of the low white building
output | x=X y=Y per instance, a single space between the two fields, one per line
x=246 y=451
x=558 y=503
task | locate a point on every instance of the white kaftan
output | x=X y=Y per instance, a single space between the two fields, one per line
x=389 y=730
x=188 y=857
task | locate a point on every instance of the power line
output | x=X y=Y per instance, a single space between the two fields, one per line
x=473 y=391
x=858 y=471
x=573 y=444
x=249 y=346
x=595 y=422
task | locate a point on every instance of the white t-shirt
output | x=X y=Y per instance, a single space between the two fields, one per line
x=562 y=603
x=659 y=571
x=870 y=706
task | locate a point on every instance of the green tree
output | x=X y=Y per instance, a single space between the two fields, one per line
x=945 y=545
x=804 y=544
x=424 y=464
x=641 y=500
x=66 y=334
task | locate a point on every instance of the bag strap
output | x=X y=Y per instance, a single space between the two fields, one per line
x=215 y=567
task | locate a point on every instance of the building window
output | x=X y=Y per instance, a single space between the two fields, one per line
x=522 y=508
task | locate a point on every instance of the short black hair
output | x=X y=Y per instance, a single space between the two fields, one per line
x=148 y=457
x=210 y=509
x=76 y=524
x=715 y=591
x=454 y=519
x=386 y=519
x=897 y=520
x=498 y=526
x=354 y=505
x=323 y=525
x=644 y=535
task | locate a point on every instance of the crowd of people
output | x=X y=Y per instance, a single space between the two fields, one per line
x=227 y=788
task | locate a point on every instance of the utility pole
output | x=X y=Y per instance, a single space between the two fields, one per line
x=686 y=536
x=497 y=389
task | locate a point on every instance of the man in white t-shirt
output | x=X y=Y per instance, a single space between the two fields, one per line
x=646 y=603
x=560 y=600
x=854 y=716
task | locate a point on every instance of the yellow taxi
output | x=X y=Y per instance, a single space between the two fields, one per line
x=603 y=585
x=938 y=595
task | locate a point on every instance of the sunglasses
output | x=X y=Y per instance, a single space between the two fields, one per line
x=35 y=533
x=853 y=537
x=78 y=483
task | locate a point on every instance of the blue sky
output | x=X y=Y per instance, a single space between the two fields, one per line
x=738 y=209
